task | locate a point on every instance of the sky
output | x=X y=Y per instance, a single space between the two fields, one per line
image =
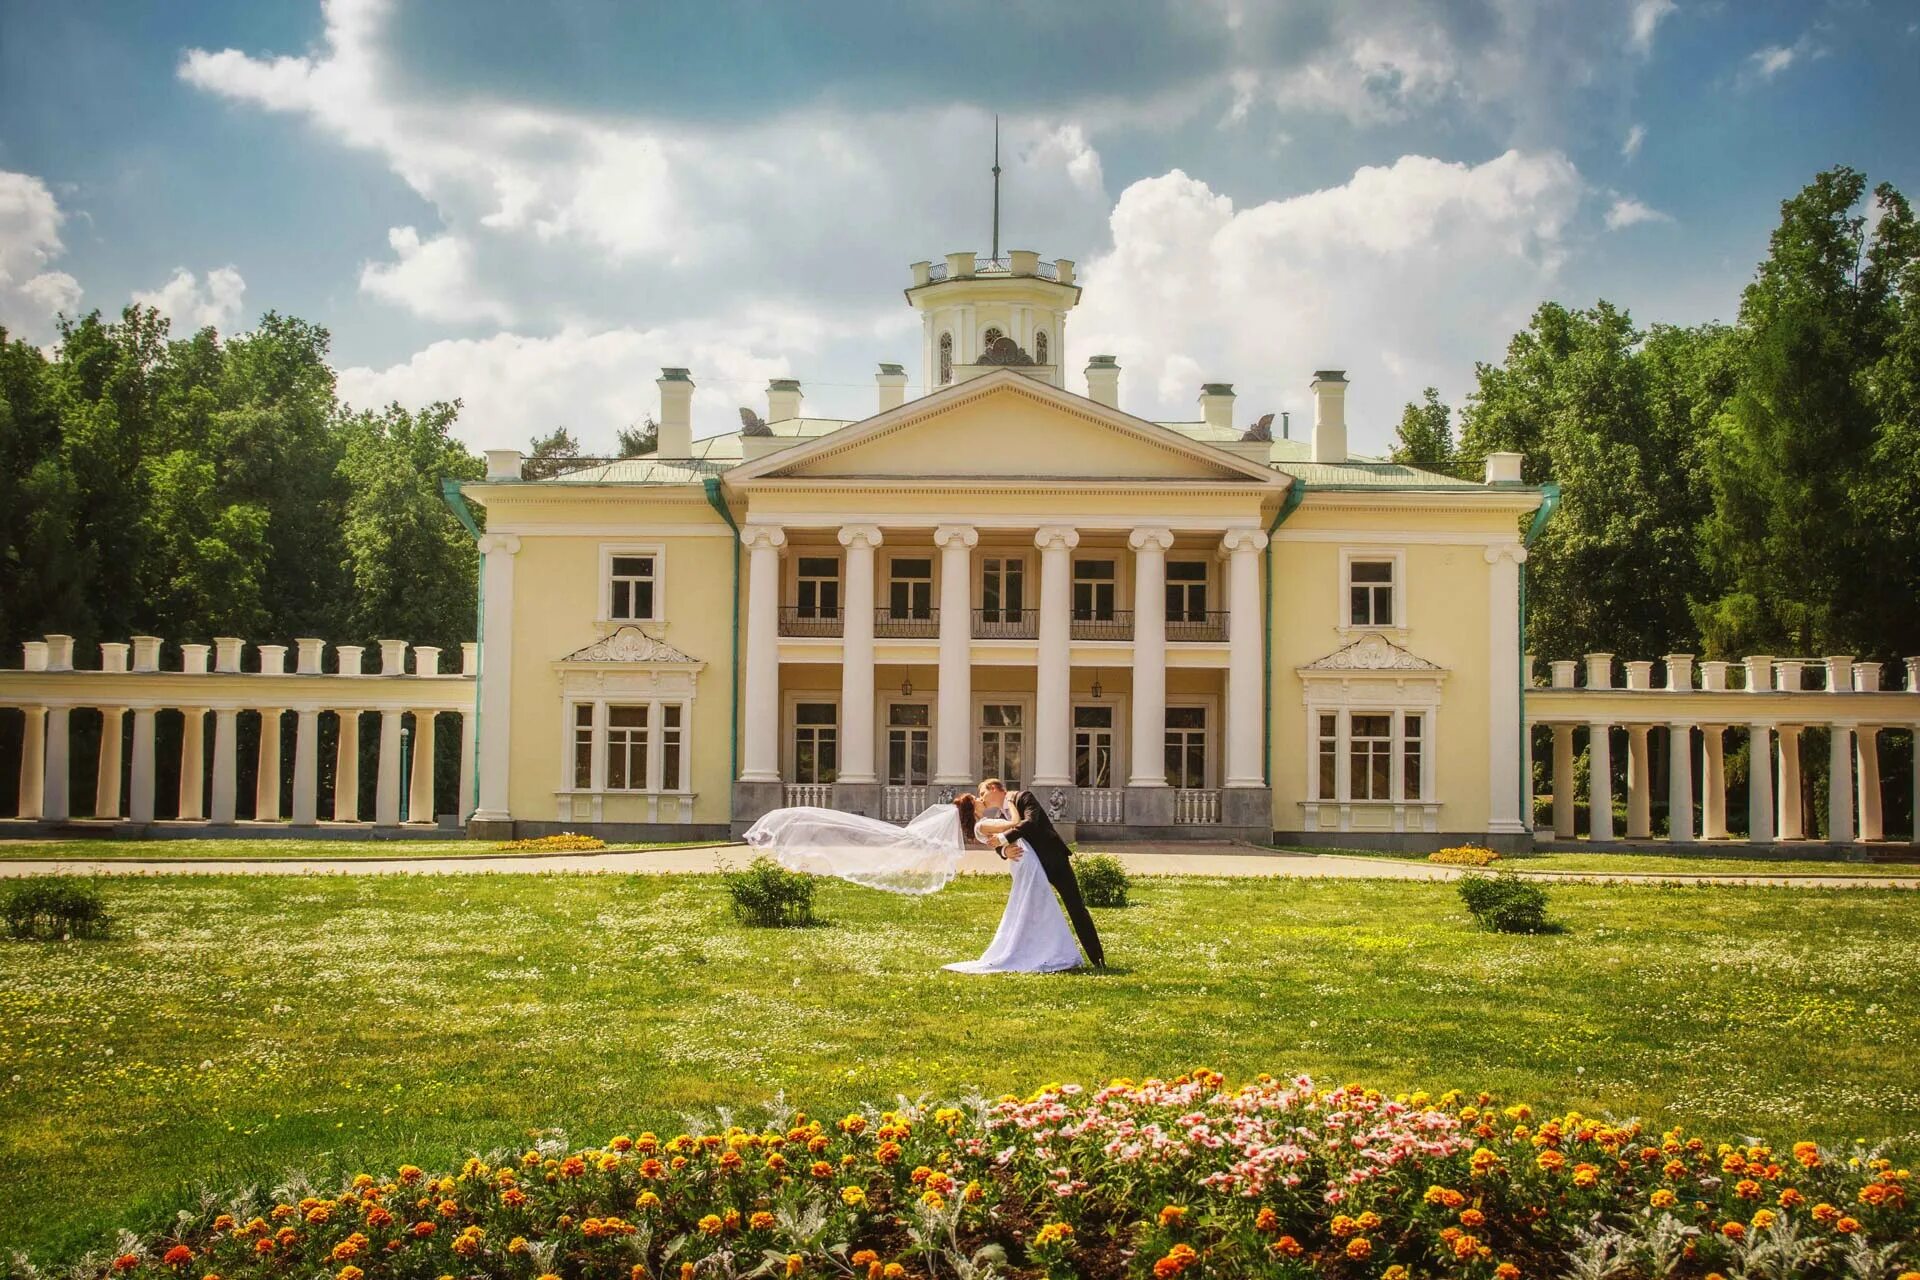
x=533 y=208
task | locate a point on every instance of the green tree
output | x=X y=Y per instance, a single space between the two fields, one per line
x=637 y=440
x=1425 y=438
x=547 y=455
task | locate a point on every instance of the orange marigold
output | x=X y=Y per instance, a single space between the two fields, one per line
x=177 y=1256
x=1472 y=1218
x=1847 y=1226
x=1266 y=1219
x=1173 y=1215
x=761 y=1220
x=1359 y=1248
x=1287 y=1247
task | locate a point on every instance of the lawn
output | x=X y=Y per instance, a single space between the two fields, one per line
x=274 y=849
x=1722 y=863
x=240 y=1026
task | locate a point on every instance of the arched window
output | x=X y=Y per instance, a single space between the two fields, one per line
x=1040 y=347
x=988 y=338
x=946 y=358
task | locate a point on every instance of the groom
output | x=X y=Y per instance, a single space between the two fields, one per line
x=1037 y=830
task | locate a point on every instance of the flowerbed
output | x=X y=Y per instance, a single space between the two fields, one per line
x=1464 y=855
x=566 y=841
x=1162 y=1179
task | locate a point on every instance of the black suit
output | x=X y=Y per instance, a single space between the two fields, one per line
x=1037 y=829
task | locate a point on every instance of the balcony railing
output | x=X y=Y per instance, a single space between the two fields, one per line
x=1006 y=624
x=1101 y=804
x=922 y=624
x=903 y=804
x=985 y=266
x=813 y=795
x=1115 y=624
x=798 y=621
x=1198 y=628
x=1196 y=805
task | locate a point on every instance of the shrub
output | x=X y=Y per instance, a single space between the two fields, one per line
x=1506 y=903
x=769 y=895
x=1103 y=881
x=1464 y=855
x=566 y=841
x=55 y=908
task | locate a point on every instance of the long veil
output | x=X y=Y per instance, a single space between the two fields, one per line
x=920 y=857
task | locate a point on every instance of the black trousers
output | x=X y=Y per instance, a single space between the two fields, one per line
x=1059 y=869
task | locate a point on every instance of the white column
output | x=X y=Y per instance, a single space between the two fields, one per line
x=1053 y=698
x=1867 y=753
x=193 y=763
x=1793 y=822
x=953 y=760
x=1713 y=782
x=1599 y=784
x=1639 y=816
x=1245 y=709
x=1759 y=784
x=1147 y=761
x=33 y=762
x=1504 y=784
x=856 y=656
x=1680 y=783
x=55 y=807
x=106 y=789
x=346 y=769
x=1840 y=784
x=386 y=790
x=306 y=767
x=466 y=765
x=1563 y=798
x=226 y=767
x=496 y=677
x=420 y=794
x=760 y=744
x=140 y=797
x=266 y=786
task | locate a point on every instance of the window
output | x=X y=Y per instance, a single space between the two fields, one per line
x=1003 y=588
x=672 y=744
x=633 y=580
x=1040 y=347
x=816 y=742
x=1370 y=753
x=908 y=725
x=1186 y=591
x=627 y=748
x=987 y=340
x=1329 y=758
x=1410 y=744
x=946 y=358
x=1186 y=746
x=910 y=593
x=1093 y=746
x=1370 y=589
x=818 y=594
x=1093 y=590
x=583 y=746
x=1001 y=741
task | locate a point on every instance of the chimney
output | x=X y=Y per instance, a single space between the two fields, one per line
x=783 y=399
x=1216 y=404
x=892 y=384
x=503 y=464
x=146 y=654
x=1330 y=416
x=1504 y=468
x=676 y=414
x=1103 y=381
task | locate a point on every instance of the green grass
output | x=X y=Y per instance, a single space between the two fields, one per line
x=238 y=1026
x=1722 y=863
x=277 y=849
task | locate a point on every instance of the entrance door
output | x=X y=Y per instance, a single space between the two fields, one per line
x=908 y=735
x=1187 y=747
x=1002 y=742
x=1093 y=746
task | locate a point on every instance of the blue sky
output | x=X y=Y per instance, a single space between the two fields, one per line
x=533 y=207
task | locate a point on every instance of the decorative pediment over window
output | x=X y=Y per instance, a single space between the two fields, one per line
x=1373 y=653
x=630 y=645
x=1005 y=351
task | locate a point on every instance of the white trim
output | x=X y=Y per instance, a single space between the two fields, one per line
x=1390 y=537
x=1199 y=523
x=567 y=529
x=603 y=607
x=1398 y=558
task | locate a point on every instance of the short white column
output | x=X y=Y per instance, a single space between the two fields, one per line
x=56 y=806
x=193 y=764
x=760 y=730
x=496 y=677
x=1246 y=711
x=1793 y=821
x=953 y=760
x=266 y=785
x=466 y=766
x=1147 y=761
x=1680 y=828
x=306 y=766
x=1053 y=696
x=1759 y=783
x=1713 y=781
x=1639 y=808
x=226 y=765
x=1505 y=786
x=1840 y=784
x=1599 y=784
x=856 y=656
x=1867 y=754
x=1563 y=798
x=346 y=769
x=140 y=796
x=33 y=762
x=106 y=787
x=386 y=791
x=420 y=794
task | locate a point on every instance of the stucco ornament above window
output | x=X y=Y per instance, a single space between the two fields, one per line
x=630 y=645
x=1007 y=352
x=1373 y=653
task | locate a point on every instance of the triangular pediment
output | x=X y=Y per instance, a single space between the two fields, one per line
x=1372 y=653
x=1006 y=425
x=630 y=646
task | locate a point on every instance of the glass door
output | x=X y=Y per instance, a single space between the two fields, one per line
x=909 y=726
x=1187 y=747
x=1002 y=742
x=1093 y=746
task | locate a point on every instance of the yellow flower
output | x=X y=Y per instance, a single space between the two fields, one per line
x=1053 y=1233
x=795 y=1264
x=711 y=1225
x=853 y=1196
x=1662 y=1198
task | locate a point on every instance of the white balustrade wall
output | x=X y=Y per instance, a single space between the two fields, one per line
x=1700 y=713
x=136 y=695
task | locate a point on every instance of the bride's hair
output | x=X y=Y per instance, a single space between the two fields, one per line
x=969 y=812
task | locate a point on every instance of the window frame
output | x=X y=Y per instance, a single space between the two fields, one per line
x=644 y=743
x=1113 y=731
x=1205 y=585
x=604 y=584
x=790 y=740
x=654 y=744
x=795 y=578
x=883 y=744
x=1029 y=582
x=1024 y=703
x=944 y=359
x=1210 y=730
x=1396 y=557
x=1114 y=584
x=885 y=595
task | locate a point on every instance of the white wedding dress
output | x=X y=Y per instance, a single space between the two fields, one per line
x=1034 y=936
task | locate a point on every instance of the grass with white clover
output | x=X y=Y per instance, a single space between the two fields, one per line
x=282 y=850
x=1709 y=862
x=236 y=1027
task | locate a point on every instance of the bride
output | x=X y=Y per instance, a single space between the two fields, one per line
x=921 y=858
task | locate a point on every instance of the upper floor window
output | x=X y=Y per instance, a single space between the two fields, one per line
x=818 y=590
x=987 y=339
x=1040 y=347
x=1370 y=592
x=633 y=588
x=1186 y=591
x=946 y=358
x=1094 y=590
x=910 y=593
x=1003 y=588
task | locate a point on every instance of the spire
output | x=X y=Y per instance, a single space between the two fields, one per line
x=996 y=188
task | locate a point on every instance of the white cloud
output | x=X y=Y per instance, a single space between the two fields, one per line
x=1404 y=275
x=1376 y=77
x=432 y=278
x=1630 y=147
x=1644 y=20
x=1625 y=211
x=30 y=219
x=1771 y=61
x=192 y=305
